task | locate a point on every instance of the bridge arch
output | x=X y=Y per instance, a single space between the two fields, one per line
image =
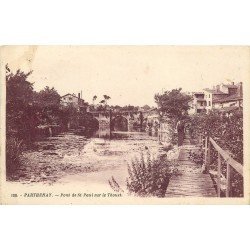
x=119 y=123
x=89 y=124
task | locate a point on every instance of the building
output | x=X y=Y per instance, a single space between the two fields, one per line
x=73 y=100
x=198 y=103
x=210 y=95
x=219 y=97
x=234 y=97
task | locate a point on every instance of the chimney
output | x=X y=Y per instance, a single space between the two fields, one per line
x=232 y=83
x=217 y=87
x=79 y=96
x=81 y=93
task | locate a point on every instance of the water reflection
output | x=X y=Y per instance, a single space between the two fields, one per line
x=103 y=132
x=106 y=133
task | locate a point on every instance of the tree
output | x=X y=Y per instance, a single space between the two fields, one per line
x=48 y=98
x=20 y=116
x=20 y=111
x=106 y=98
x=48 y=101
x=146 y=107
x=173 y=104
x=94 y=99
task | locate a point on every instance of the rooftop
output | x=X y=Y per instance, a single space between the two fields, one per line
x=71 y=95
x=231 y=86
x=235 y=97
x=228 y=109
x=215 y=91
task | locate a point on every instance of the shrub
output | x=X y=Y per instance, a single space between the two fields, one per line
x=148 y=176
x=14 y=149
x=227 y=130
x=197 y=156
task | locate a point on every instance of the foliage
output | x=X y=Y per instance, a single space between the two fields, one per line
x=148 y=176
x=197 y=156
x=69 y=115
x=227 y=130
x=105 y=100
x=20 y=111
x=94 y=98
x=14 y=150
x=48 y=103
x=146 y=107
x=173 y=104
x=48 y=98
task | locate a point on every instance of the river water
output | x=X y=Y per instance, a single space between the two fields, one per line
x=70 y=158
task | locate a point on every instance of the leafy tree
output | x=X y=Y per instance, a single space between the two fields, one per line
x=20 y=111
x=146 y=107
x=48 y=101
x=49 y=98
x=20 y=116
x=106 y=98
x=94 y=99
x=173 y=104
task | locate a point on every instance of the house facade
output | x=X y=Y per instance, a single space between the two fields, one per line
x=198 y=103
x=73 y=100
x=219 y=97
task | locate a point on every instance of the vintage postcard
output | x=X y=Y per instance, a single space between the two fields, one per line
x=125 y=124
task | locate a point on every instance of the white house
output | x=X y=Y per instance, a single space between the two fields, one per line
x=220 y=96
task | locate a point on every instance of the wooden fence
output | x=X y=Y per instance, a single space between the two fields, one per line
x=208 y=143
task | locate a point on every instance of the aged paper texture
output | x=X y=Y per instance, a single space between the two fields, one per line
x=125 y=124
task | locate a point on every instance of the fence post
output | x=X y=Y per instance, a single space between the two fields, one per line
x=228 y=191
x=208 y=156
x=218 y=174
x=205 y=153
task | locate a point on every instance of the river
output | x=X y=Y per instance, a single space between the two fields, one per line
x=69 y=158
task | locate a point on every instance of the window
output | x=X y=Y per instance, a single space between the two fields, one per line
x=209 y=103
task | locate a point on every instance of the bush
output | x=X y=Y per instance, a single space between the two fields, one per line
x=197 y=156
x=227 y=130
x=148 y=176
x=14 y=150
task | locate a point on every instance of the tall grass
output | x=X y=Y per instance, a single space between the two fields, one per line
x=147 y=176
x=14 y=150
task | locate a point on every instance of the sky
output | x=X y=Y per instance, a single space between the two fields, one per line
x=129 y=74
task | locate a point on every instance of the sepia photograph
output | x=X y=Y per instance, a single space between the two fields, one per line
x=123 y=124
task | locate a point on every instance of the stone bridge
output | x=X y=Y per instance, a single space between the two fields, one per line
x=107 y=119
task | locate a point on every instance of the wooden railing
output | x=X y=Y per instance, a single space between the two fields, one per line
x=208 y=143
